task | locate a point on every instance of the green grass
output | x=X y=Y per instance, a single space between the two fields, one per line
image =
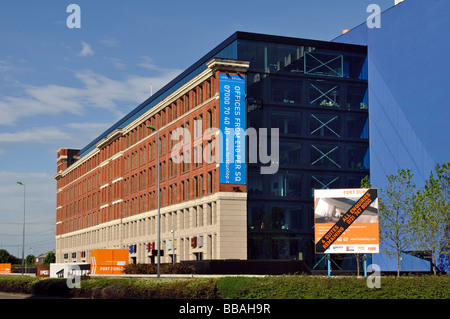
x=270 y=287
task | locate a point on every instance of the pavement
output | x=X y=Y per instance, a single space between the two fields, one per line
x=5 y=295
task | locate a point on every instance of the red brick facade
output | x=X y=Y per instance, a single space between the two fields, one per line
x=118 y=178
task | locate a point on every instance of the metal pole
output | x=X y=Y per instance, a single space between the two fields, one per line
x=173 y=247
x=329 y=264
x=159 y=213
x=159 y=209
x=365 y=265
x=23 y=232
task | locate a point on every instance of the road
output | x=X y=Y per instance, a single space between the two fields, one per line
x=4 y=295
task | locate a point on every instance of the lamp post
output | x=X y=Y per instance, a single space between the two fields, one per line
x=173 y=246
x=159 y=209
x=23 y=231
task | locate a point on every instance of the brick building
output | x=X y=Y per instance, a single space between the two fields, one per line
x=108 y=198
x=313 y=92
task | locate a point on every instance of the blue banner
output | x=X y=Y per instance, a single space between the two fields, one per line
x=232 y=129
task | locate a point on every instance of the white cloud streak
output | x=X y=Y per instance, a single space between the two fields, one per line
x=86 y=50
x=96 y=91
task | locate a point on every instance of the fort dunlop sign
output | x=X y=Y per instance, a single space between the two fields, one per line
x=346 y=221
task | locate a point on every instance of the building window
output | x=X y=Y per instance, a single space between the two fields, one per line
x=358 y=126
x=209 y=183
x=358 y=157
x=325 y=125
x=195 y=186
x=182 y=191
x=291 y=154
x=287 y=122
x=286 y=91
x=323 y=155
x=198 y=127
x=324 y=94
x=208 y=89
x=357 y=97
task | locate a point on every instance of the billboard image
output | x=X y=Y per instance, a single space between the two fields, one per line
x=232 y=128
x=346 y=221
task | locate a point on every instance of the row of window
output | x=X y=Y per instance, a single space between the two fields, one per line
x=297 y=185
x=311 y=124
x=174 y=193
x=299 y=59
x=188 y=218
x=313 y=93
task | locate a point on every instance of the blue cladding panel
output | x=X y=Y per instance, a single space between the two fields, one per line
x=408 y=66
x=232 y=128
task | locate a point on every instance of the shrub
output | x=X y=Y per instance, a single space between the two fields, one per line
x=164 y=269
x=16 y=284
x=51 y=287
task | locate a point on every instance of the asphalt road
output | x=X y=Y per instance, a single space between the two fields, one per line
x=4 y=295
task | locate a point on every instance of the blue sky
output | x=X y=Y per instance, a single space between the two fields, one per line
x=62 y=87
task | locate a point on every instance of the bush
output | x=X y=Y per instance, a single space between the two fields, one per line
x=51 y=287
x=102 y=288
x=314 y=287
x=18 y=285
x=148 y=269
x=269 y=287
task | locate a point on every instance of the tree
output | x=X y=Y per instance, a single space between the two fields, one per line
x=396 y=207
x=7 y=258
x=365 y=183
x=29 y=260
x=430 y=219
x=49 y=259
x=443 y=177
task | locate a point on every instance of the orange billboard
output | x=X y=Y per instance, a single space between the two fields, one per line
x=346 y=221
x=5 y=268
x=108 y=261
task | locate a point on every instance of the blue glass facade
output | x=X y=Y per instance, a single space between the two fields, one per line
x=408 y=76
x=408 y=91
x=317 y=96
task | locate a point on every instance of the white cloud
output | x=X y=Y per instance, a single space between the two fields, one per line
x=41 y=135
x=117 y=63
x=147 y=63
x=109 y=42
x=117 y=97
x=87 y=50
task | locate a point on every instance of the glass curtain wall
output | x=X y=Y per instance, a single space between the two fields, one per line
x=317 y=98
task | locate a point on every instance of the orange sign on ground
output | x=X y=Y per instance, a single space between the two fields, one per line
x=108 y=261
x=5 y=268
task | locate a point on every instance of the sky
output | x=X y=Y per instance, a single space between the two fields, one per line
x=63 y=87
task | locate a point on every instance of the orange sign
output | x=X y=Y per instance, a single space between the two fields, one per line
x=108 y=261
x=346 y=221
x=5 y=268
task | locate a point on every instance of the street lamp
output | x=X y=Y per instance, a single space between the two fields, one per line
x=23 y=234
x=173 y=246
x=159 y=210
